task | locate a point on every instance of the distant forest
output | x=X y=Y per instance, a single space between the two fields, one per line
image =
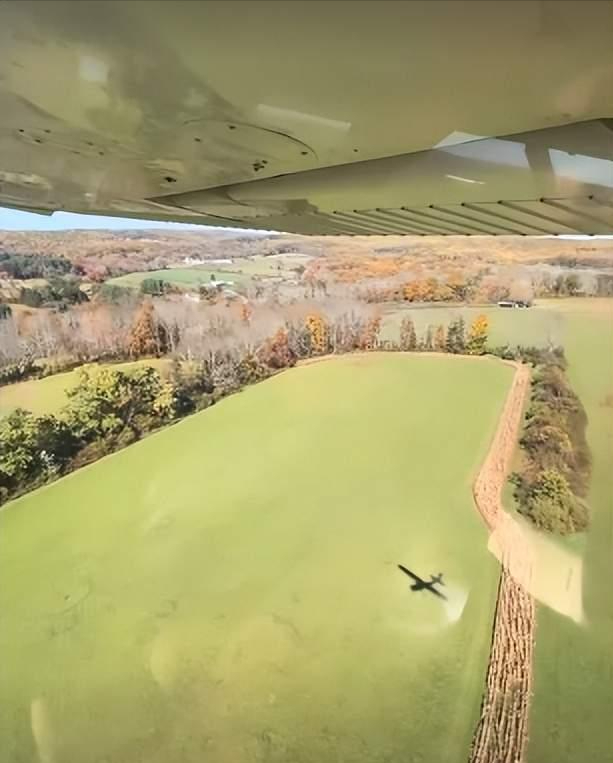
x=24 y=266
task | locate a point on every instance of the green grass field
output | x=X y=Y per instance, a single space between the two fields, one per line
x=240 y=271
x=187 y=277
x=48 y=395
x=268 y=266
x=571 y=713
x=226 y=590
x=539 y=325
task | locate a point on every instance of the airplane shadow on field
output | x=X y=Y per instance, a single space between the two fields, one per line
x=419 y=584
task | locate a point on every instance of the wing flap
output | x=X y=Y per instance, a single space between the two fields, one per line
x=540 y=183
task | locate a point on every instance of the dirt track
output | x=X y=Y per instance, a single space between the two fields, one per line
x=502 y=730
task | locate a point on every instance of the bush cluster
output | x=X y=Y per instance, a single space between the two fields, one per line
x=58 y=293
x=24 y=266
x=552 y=483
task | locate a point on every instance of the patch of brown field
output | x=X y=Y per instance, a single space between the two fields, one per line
x=502 y=730
x=533 y=567
x=551 y=573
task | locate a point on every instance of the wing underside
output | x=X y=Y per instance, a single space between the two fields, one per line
x=375 y=117
x=546 y=182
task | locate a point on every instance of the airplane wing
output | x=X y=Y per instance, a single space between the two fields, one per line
x=312 y=117
x=412 y=575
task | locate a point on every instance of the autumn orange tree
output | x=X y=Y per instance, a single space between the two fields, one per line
x=370 y=333
x=146 y=336
x=478 y=335
x=319 y=331
x=276 y=352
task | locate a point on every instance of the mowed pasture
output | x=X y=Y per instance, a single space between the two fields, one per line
x=48 y=395
x=269 y=265
x=227 y=590
x=573 y=681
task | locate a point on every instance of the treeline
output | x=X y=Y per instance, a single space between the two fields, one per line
x=423 y=290
x=604 y=285
x=24 y=266
x=25 y=368
x=568 y=285
x=411 y=278
x=156 y=287
x=44 y=342
x=145 y=337
x=553 y=479
x=133 y=330
x=455 y=337
x=481 y=286
x=58 y=293
x=109 y=408
x=583 y=261
x=149 y=287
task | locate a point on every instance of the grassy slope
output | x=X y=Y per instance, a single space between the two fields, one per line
x=48 y=395
x=571 y=713
x=226 y=590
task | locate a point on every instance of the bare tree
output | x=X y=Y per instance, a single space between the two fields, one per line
x=11 y=346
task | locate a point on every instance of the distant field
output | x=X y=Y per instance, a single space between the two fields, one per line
x=241 y=271
x=538 y=325
x=227 y=590
x=188 y=277
x=571 y=712
x=48 y=395
x=271 y=265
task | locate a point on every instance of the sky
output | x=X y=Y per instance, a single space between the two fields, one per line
x=12 y=219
